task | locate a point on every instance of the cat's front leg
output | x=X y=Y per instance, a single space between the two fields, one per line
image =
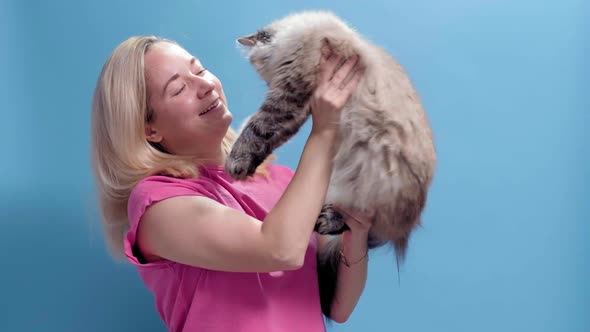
x=250 y=148
x=279 y=118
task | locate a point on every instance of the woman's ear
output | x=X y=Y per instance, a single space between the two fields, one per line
x=151 y=134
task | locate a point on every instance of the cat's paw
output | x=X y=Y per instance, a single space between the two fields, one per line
x=330 y=221
x=241 y=166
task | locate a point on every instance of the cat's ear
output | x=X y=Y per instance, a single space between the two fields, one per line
x=248 y=40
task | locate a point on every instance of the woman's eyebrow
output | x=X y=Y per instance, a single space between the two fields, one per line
x=175 y=76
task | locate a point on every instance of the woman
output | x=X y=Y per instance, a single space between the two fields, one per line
x=218 y=254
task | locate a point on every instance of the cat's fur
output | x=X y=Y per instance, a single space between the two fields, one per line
x=386 y=158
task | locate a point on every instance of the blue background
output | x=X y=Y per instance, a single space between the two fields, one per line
x=505 y=244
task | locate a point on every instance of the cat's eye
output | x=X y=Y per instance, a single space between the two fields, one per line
x=263 y=36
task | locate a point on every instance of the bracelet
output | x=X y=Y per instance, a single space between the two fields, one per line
x=347 y=263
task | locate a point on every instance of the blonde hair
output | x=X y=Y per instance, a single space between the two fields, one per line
x=121 y=155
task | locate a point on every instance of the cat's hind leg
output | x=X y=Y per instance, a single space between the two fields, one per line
x=330 y=221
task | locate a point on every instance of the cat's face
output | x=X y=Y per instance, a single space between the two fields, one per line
x=259 y=47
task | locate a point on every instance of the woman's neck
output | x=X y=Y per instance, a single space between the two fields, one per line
x=216 y=157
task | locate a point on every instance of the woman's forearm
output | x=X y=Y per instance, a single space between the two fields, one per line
x=351 y=279
x=290 y=223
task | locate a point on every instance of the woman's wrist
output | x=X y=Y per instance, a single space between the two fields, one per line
x=329 y=134
x=327 y=137
x=354 y=246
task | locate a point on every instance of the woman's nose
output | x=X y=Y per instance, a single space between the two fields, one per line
x=204 y=86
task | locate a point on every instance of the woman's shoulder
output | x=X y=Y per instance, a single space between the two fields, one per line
x=281 y=170
x=155 y=188
x=280 y=175
x=160 y=182
x=158 y=187
x=204 y=184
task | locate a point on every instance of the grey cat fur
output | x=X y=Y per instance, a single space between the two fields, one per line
x=386 y=156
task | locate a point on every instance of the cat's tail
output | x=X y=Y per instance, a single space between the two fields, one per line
x=410 y=203
x=327 y=266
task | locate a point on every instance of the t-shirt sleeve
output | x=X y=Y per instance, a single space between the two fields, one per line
x=147 y=192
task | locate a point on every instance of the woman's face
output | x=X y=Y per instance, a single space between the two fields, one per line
x=188 y=103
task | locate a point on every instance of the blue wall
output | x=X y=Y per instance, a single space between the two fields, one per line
x=505 y=244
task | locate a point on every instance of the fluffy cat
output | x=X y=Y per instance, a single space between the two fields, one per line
x=386 y=158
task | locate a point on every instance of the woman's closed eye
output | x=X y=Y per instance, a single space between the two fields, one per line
x=179 y=90
x=199 y=73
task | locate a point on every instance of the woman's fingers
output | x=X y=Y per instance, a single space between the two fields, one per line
x=327 y=66
x=324 y=74
x=344 y=71
x=349 y=86
x=345 y=90
x=362 y=219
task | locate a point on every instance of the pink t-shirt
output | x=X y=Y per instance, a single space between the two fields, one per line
x=194 y=299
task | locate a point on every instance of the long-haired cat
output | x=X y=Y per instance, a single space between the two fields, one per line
x=386 y=155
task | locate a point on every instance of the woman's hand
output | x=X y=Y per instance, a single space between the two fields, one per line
x=335 y=85
x=359 y=223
